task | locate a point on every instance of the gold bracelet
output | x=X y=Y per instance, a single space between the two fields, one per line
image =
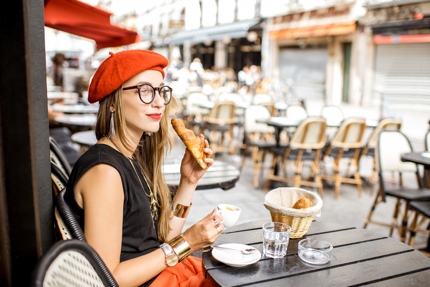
x=181 y=247
x=181 y=211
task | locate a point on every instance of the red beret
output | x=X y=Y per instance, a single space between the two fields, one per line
x=120 y=67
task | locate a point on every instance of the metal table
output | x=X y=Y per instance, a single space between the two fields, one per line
x=422 y=158
x=219 y=175
x=359 y=257
x=75 y=109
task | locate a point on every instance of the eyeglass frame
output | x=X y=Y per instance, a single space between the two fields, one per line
x=154 y=89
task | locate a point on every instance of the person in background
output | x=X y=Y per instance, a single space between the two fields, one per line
x=58 y=62
x=116 y=188
x=196 y=67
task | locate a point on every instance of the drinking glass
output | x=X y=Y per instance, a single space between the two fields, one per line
x=276 y=236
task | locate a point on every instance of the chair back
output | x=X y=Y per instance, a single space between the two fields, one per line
x=58 y=156
x=296 y=112
x=68 y=217
x=71 y=263
x=193 y=99
x=385 y=124
x=391 y=144
x=254 y=113
x=310 y=134
x=233 y=97
x=333 y=115
x=58 y=177
x=262 y=99
x=223 y=113
x=350 y=134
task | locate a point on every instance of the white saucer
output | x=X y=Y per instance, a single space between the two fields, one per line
x=235 y=258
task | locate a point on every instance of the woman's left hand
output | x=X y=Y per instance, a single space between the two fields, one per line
x=191 y=171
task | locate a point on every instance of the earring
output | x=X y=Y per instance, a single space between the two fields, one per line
x=148 y=134
x=112 y=125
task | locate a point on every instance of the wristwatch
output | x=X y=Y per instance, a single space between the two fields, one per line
x=171 y=257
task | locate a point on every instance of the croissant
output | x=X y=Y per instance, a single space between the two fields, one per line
x=195 y=144
x=302 y=202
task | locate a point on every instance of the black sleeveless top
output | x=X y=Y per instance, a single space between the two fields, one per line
x=139 y=237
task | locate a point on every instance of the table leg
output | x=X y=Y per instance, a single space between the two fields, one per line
x=278 y=144
x=426 y=179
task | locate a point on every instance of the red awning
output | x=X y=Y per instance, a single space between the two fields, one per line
x=84 y=20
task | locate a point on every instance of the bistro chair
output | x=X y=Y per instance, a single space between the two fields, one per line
x=193 y=113
x=58 y=156
x=369 y=148
x=345 y=147
x=304 y=147
x=421 y=211
x=72 y=263
x=219 y=127
x=59 y=181
x=261 y=98
x=333 y=115
x=258 y=138
x=68 y=217
x=392 y=171
x=296 y=112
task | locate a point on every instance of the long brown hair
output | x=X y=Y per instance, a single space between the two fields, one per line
x=150 y=152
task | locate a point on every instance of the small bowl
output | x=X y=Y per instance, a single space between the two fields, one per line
x=315 y=251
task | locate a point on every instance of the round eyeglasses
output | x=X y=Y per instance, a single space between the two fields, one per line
x=147 y=92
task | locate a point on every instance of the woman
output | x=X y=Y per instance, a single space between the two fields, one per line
x=117 y=190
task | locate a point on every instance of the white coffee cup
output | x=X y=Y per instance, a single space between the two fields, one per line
x=231 y=214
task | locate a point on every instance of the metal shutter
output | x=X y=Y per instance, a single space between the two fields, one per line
x=402 y=76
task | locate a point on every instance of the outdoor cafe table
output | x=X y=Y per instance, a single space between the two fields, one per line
x=422 y=158
x=359 y=257
x=77 y=122
x=219 y=175
x=75 y=109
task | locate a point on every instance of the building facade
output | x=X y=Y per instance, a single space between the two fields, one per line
x=337 y=51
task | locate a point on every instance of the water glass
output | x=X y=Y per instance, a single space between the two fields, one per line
x=276 y=236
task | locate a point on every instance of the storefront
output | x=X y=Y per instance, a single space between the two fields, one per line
x=401 y=35
x=312 y=53
x=231 y=45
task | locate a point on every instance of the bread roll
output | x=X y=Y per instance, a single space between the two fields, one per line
x=302 y=203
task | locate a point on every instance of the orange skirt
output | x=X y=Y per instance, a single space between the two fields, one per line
x=188 y=273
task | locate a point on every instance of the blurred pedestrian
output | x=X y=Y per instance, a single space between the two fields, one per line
x=196 y=67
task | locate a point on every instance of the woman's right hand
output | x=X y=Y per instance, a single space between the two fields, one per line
x=205 y=232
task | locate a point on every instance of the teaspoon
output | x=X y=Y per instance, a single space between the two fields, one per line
x=244 y=251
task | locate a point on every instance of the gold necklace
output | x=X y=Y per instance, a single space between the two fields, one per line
x=153 y=202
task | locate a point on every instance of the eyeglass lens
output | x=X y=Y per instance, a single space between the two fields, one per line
x=147 y=93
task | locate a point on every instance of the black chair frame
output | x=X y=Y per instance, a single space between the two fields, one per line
x=64 y=246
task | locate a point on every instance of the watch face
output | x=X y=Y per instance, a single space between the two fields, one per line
x=171 y=257
x=172 y=260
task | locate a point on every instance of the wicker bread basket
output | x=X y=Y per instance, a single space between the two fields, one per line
x=279 y=202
